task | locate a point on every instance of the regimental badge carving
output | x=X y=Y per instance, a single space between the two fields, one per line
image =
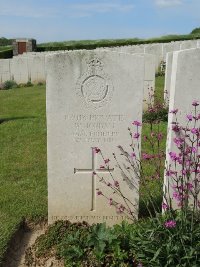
x=94 y=87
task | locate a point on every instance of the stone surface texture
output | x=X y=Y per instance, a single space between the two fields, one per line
x=4 y=70
x=92 y=97
x=184 y=89
x=168 y=76
x=19 y=69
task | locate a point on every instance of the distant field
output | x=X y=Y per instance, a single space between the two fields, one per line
x=23 y=158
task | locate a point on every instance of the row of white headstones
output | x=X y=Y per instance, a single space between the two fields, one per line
x=92 y=97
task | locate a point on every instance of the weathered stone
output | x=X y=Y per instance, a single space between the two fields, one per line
x=19 y=69
x=184 y=89
x=168 y=76
x=36 y=66
x=92 y=97
x=4 y=70
x=157 y=50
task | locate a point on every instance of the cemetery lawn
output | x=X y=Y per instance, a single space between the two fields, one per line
x=23 y=190
x=23 y=170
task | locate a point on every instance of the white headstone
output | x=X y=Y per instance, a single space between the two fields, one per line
x=149 y=81
x=19 y=69
x=92 y=97
x=184 y=89
x=188 y=44
x=157 y=50
x=4 y=70
x=133 y=49
x=36 y=66
x=149 y=77
x=170 y=47
x=168 y=76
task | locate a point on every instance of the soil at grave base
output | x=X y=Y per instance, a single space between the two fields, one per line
x=21 y=244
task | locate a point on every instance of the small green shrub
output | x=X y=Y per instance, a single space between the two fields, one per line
x=28 y=84
x=40 y=83
x=9 y=85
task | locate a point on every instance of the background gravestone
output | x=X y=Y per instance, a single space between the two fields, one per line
x=184 y=89
x=19 y=69
x=4 y=70
x=36 y=66
x=157 y=50
x=168 y=76
x=92 y=97
x=170 y=47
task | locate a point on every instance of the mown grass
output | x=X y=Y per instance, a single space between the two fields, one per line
x=23 y=188
x=2 y=48
x=23 y=175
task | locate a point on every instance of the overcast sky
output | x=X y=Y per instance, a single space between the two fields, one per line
x=59 y=20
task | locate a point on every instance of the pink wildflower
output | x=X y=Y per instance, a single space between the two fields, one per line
x=173 y=156
x=110 y=201
x=178 y=141
x=189 y=186
x=99 y=193
x=165 y=206
x=120 y=208
x=133 y=155
x=194 y=130
x=136 y=135
x=170 y=224
x=189 y=117
x=170 y=172
x=177 y=196
x=146 y=156
x=194 y=149
x=116 y=183
x=137 y=123
x=174 y=111
x=176 y=128
x=106 y=161
x=160 y=136
x=195 y=103
x=145 y=138
x=97 y=150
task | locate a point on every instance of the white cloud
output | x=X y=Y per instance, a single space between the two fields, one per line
x=168 y=3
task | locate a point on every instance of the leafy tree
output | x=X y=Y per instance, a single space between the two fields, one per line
x=195 y=31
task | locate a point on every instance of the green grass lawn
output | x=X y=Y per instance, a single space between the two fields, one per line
x=23 y=190
x=23 y=174
x=2 y=48
x=159 y=94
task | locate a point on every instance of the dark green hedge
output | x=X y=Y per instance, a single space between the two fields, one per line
x=114 y=43
x=6 y=53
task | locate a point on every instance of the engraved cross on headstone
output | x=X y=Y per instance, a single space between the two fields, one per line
x=93 y=171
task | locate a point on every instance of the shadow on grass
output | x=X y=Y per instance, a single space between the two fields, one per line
x=15 y=118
